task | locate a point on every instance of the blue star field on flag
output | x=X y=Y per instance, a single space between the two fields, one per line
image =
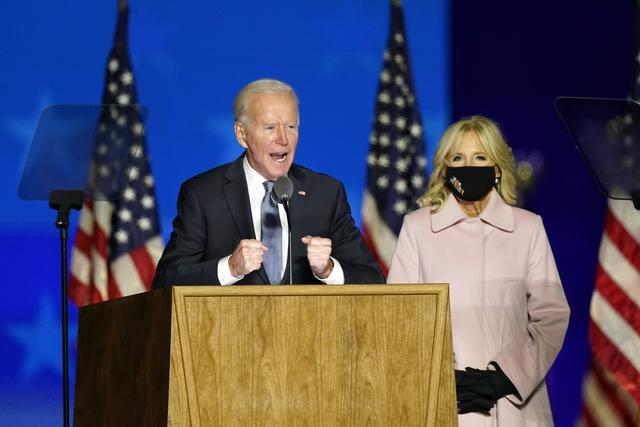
x=120 y=143
x=118 y=241
x=396 y=173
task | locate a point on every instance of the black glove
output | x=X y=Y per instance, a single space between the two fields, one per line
x=473 y=393
x=478 y=390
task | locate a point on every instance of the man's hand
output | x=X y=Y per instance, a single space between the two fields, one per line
x=319 y=255
x=247 y=257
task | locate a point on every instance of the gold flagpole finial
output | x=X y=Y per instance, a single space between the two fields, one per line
x=122 y=4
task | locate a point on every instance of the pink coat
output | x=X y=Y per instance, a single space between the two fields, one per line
x=507 y=302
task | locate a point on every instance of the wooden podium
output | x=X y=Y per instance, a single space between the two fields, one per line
x=377 y=355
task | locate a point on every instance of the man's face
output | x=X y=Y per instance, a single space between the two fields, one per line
x=270 y=134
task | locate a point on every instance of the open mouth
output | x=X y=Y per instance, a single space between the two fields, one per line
x=279 y=157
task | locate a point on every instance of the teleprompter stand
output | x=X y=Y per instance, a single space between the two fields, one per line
x=79 y=152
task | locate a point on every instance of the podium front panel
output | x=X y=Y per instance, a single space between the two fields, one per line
x=313 y=355
x=268 y=355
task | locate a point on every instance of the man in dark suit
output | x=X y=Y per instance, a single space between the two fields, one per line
x=224 y=212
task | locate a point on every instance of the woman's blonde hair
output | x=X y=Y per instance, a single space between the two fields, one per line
x=493 y=143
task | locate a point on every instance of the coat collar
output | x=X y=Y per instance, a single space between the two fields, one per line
x=497 y=213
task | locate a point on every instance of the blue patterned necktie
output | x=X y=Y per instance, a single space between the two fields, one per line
x=271 y=231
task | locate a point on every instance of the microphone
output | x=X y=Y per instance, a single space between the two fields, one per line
x=283 y=189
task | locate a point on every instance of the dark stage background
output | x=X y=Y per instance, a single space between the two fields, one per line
x=507 y=61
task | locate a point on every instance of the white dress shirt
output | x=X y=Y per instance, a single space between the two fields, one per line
x=256 y=194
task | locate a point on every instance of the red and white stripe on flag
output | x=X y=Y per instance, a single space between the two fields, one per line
x=396 y=163
x=605 y=403
x=614 y=330
x=93 y=277
x=380 y=239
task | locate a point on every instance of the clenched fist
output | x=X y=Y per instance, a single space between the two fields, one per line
x=319 y=255
x=247 y=257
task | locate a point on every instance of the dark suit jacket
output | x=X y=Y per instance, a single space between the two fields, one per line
x=214 y=214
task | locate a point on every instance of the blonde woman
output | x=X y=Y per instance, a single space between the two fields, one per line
x=508 y=309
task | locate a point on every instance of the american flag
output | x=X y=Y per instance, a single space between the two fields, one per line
x=396 y=164
x=118 y=243
x=612 y=387
x=611 y=390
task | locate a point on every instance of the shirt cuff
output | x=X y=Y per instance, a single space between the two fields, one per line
x=336 y=277
x=224 y=272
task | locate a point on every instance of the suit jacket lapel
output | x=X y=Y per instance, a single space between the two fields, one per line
x=237 y=196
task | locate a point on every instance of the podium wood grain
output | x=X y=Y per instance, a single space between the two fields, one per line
x=271 y=356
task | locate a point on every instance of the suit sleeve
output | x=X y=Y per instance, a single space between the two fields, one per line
x=404 y=262
x=528 y=358
x=182 y=261
x=349 y=248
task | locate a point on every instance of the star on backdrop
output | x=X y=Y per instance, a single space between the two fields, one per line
x=41 y=340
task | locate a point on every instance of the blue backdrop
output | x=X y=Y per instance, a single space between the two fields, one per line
x=189 y=61
x=510 y=62
x=503 y=60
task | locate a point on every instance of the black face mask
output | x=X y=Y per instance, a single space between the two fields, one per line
x=470 y=183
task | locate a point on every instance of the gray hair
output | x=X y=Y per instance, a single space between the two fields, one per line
x=241 y=103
